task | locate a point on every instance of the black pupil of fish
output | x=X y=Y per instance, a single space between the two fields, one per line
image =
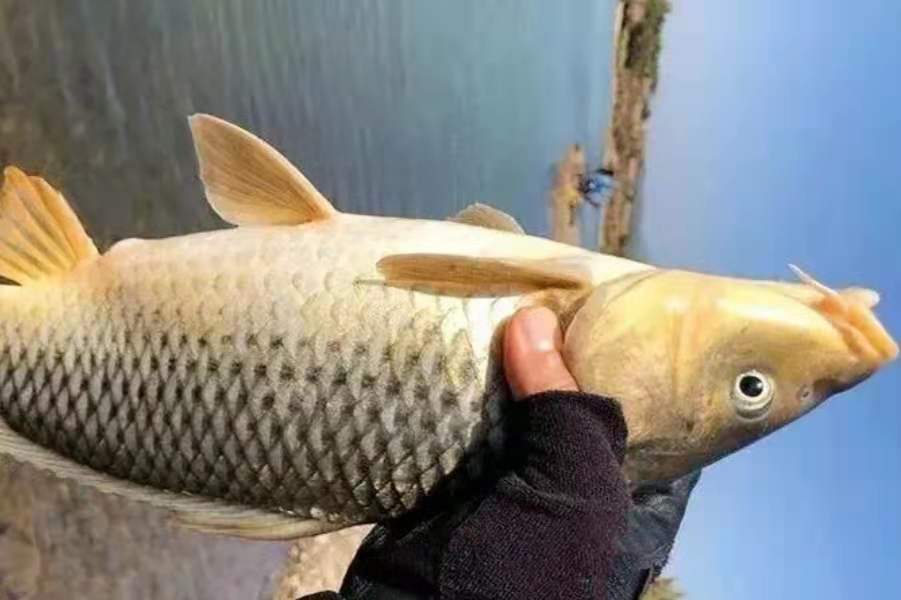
x=751 y=386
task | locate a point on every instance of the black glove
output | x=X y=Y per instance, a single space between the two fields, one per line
x=641 y=554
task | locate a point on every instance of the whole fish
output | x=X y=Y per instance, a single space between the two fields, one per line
x=309 y=369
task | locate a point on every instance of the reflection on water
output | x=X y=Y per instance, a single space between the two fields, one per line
x=390 y=107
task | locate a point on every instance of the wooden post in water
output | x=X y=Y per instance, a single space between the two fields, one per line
x=566 y=197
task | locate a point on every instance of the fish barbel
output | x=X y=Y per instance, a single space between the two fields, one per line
x=309 y=369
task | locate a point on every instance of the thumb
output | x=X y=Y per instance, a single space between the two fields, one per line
x=532 y=359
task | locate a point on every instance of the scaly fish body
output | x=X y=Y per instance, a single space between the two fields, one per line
x=310 y=370
x=262 y=366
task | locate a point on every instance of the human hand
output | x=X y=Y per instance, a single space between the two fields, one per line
x=533 y=365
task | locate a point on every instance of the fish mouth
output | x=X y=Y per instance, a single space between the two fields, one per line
x=864 y=334
x=850 y=312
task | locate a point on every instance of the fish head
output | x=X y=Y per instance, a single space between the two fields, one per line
x=705 y=365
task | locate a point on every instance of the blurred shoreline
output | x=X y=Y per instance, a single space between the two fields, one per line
x=637 y=40
x=636 y=48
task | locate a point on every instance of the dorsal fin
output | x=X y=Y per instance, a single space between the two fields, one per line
x=40 y=236
x=248 y=182
x=483 y=215
x=473 y=275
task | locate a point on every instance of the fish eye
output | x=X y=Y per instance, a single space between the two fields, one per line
x=752 y=394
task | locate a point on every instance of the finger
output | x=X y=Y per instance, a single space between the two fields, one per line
x=532 y=359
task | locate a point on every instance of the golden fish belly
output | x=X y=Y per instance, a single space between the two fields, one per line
x=255 y=369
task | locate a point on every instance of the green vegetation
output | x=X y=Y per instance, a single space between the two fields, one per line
x=663 y=589
x=644 y=40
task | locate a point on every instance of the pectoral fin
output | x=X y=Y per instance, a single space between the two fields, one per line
x=256 y=525
x=483 y=215
x=248 y=182
x=473 y=274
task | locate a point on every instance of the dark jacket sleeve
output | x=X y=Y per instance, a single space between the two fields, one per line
x=653 y=523
x=546 y=528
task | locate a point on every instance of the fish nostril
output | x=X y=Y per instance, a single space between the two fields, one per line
x=807 y=397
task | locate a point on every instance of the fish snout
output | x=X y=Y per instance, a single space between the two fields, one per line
x=865 y=336
x=850 y=312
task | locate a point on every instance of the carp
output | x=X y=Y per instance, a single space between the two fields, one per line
x=308 y=370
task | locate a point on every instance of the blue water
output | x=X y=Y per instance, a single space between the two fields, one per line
x=390 y=107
